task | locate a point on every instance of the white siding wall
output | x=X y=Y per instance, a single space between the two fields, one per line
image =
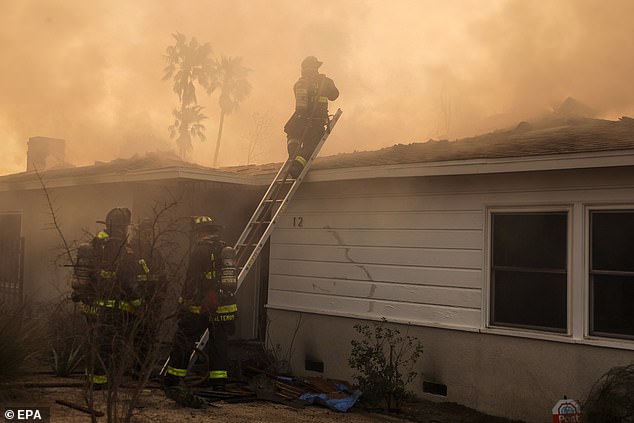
x=414 y=249
x=372 y=249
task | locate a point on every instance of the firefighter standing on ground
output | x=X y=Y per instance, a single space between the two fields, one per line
x=307 y=125
x=150 y=281
x=105 y=275
x=207 y=302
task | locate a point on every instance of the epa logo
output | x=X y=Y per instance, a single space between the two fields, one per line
x=23 y=414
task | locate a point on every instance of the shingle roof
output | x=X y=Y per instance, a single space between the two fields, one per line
x=561 y=136
x=548 y=137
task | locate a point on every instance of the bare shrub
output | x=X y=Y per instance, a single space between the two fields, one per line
x=611 y=399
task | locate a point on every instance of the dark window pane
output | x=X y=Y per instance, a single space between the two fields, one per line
x=530 y=299
x=612 y=307
x=612 y=240
x=530 y=240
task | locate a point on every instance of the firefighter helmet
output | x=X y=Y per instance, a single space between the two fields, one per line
x=118 y=219
x=204 y=224
x=311 y=62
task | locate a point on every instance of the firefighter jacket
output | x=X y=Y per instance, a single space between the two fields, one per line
x=112 y=279
x=202 y=292
x=312 y=92
x=150 y=272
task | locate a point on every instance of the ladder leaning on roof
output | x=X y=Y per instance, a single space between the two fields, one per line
x=261 y=225
x=274 y=201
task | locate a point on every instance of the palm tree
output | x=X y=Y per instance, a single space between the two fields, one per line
x=189 y=63
x=232 y=77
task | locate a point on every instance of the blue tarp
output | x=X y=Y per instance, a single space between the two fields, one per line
x=337 y=404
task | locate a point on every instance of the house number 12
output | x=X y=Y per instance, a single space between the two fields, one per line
x=298 y=222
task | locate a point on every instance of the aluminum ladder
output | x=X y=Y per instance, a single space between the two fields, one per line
x=261 y=225
x=274 y=201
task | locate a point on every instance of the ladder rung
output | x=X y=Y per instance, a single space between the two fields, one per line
x=259 y=217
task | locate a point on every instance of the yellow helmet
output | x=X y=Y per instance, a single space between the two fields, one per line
x=204 y=224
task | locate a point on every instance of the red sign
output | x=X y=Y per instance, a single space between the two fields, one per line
x=567 y=411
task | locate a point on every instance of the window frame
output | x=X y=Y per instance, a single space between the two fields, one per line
x=603 y=339
x=522 y=330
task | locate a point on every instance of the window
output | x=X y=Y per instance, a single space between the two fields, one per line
x=612 y=273
x=529 y=270
x=11 y=256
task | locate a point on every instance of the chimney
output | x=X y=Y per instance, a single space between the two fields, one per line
x=45 y=153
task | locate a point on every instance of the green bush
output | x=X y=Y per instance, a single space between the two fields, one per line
x=611 y=399
x=384 y=361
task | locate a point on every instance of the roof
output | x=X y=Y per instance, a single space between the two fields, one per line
x=546 y=144
x=549 y=137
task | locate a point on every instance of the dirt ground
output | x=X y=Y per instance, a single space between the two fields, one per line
x=155 y=407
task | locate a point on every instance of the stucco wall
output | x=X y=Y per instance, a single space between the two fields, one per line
x=506 y=376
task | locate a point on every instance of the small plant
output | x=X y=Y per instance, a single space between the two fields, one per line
x=66 y=360
x=611 y=399
x=384 y=361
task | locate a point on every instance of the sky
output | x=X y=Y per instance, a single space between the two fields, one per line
x=90 y=72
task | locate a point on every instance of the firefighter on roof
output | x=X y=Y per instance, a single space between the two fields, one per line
x=207 y=302
x=307 y=125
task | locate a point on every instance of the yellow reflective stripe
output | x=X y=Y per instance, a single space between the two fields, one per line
x=141 y=278
x=99 y=379
x=136 y=302
x=143 y=264
x=106 y=274
x=203 y=219
x=218 y=374
x=107 y=303
x=102 y=235
x=191 y=308
x=229 y=308
x=176 y=372
x=322 y=99
x=210 y=275
x=301 y=160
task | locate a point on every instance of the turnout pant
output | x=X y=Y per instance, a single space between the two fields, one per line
x=190 y=328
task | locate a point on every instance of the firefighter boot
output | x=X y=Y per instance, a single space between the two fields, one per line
x=296 y=168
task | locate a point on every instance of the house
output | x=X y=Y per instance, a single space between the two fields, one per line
x=34 y=258
x=509 y=255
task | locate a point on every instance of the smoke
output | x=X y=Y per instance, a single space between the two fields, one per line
x=90 y=72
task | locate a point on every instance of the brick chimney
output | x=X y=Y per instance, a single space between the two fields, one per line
x=45 y=153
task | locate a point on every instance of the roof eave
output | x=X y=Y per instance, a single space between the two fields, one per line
x=478 y=166
x=162 y=174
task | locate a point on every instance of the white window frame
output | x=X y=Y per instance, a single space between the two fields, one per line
x=488 y=326
x=603 y=341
